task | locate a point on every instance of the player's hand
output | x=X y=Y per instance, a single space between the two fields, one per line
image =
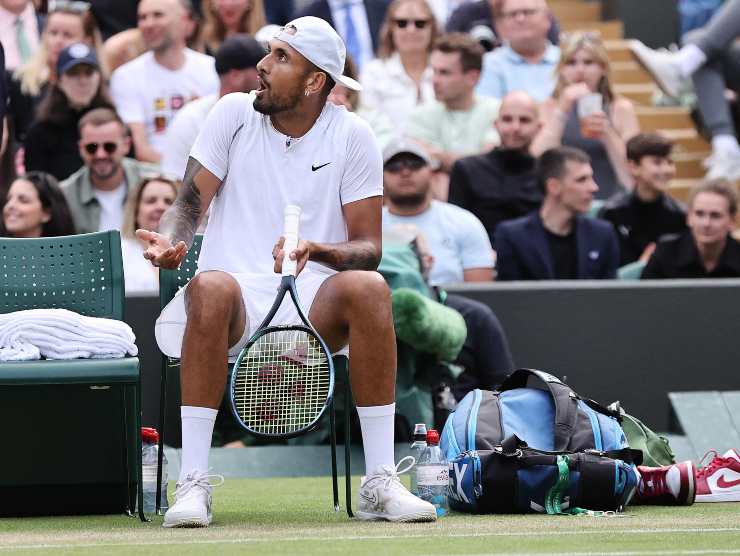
x=160 y=252
x=300 y=254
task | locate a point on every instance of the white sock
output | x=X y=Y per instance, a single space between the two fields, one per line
x=689 y=59
x=725 y=144
x=377 y=435
x=197 y=430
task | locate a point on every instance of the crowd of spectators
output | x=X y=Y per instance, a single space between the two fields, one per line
x=499 y=131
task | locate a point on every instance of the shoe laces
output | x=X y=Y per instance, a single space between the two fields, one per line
x=391 y=473
x=200 y=479
x=653 y=482
x=717 y=461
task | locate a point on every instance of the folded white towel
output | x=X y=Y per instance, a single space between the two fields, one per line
x=64 y=334
x=19 y=351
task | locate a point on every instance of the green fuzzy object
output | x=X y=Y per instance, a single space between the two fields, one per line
x=426 y=325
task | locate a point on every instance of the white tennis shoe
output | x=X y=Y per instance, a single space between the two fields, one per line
x=192 y=507
x=383 y=497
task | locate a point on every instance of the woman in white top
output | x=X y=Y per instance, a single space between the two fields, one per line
x=145 y=205
x=400 y=78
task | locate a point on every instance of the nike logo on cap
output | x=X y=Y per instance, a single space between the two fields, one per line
x=314 y=168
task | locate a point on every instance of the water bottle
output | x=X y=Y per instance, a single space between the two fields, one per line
x=432 y=474
x=417 y=448
x=149 y=453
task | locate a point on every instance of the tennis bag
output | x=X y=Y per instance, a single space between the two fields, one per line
x=541 y=411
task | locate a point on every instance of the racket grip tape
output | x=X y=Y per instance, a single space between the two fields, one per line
x=292 y=216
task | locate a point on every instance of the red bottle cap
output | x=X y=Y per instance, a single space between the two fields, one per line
x=149 y=435
x=432 y=437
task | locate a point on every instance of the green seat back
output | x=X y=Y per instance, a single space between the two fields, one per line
x=82 y=273
x=172 y=280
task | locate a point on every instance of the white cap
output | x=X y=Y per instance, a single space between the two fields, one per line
x=320 y=44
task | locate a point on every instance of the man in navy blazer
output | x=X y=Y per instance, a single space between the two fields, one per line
x=558 y=242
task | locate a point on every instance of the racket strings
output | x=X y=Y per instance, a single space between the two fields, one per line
x=282 y=382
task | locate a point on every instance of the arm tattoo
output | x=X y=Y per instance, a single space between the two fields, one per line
x=180 y=221
x=352 y=255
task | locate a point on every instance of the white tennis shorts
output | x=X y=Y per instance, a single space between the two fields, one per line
x=258 y=294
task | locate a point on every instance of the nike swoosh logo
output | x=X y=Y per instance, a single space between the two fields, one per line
x=373 y=499
x=314 y=168
x=722 y=483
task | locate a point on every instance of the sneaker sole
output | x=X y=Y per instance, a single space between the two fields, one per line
x=719 y=497
x=186 y=524
x=405 y=518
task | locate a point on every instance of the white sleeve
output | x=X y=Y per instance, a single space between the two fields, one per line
x=211 y=147
x=180 y=137
x=129 y=104
x=475 y=248
x=363 y=173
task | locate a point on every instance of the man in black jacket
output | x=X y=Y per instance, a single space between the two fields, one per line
x=501 y=184
x=643 y=215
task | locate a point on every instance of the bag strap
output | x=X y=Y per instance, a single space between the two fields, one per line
x=566 y=401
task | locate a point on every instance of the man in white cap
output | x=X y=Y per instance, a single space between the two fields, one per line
x=283 y=144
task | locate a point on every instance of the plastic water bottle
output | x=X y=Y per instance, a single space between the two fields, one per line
x=417 y=448
x=149 y=453
x=432 y=475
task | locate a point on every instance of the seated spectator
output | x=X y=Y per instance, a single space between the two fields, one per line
x=502 y=184
x=458 y=122
x=648 y=212
x=706 y=250
x=558 y=242
x=357 y=22
x=66 y=23
x=458 y=250
x=145 y=206
x=236 y=65
x=150 y=89
x=401 y=77
x=96 y=192
x=51 y=141
x=378 y=121
x=225 y=18
x=476 y=17
x=583 y=71
x=20 y=29
x=527 y=59
x=35 y=207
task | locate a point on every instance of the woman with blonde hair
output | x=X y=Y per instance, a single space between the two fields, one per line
x=223 y=18
x=67 y=22
x=144 y=207
x=584 y=112
x=401 y=77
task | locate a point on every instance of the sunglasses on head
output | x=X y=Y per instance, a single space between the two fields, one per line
x=77 y=6
x=395 y=166
x=418 y=23
x=109 y=147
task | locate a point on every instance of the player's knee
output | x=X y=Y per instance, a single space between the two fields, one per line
x=368 y=287
x=212 y=296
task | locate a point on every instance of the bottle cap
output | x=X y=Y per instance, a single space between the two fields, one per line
x=420 y=432
x=149 y=435
x=432 y=437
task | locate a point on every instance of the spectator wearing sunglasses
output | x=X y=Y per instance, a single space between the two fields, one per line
x=51 y=141
x=35 y=207
x=401 y=76
x=96 y=193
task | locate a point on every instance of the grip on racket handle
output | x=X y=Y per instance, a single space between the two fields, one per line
x=292 y=216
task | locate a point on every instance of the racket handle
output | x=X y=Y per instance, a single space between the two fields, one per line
x=292 y=216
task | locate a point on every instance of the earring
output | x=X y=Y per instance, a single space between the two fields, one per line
x=305 y=92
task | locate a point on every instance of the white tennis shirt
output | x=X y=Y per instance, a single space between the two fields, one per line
x=335 y=163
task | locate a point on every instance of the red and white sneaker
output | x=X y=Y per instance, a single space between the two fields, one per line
x=720 y=480
x=671 y=484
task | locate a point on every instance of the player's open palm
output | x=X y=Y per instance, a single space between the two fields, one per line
x=160 y=251
x=301 y=254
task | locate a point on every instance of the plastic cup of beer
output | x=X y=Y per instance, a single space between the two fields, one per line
x=589 y=104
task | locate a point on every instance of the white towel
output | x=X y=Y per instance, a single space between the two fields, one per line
x=63 y=334
x=19 y=351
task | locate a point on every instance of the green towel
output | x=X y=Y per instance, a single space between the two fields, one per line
x=426 y=325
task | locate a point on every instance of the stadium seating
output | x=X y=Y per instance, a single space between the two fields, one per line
x=71 y=435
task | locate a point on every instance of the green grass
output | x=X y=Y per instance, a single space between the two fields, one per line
x=294 y=516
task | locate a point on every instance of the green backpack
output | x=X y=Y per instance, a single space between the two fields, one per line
x=655 y=449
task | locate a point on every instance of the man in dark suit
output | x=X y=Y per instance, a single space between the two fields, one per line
x=3 y=100
x=558 y=242
x=357 y=22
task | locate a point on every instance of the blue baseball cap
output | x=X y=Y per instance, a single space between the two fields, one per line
x=74 y=55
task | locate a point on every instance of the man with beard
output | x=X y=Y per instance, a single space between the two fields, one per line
x=151 y=88
x=256 y=153
x=97 y=192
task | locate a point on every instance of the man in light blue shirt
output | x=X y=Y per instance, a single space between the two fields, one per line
x=527 y=60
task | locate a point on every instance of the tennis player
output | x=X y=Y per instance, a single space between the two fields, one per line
x=256 y=153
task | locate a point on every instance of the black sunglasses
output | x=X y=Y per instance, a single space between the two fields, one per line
x=418 y=23
x=109 y=147
x=413 y=164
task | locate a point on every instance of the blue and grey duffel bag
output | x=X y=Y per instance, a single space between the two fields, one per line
x=536 y=412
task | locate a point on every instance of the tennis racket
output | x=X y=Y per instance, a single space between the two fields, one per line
x=283 y=379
